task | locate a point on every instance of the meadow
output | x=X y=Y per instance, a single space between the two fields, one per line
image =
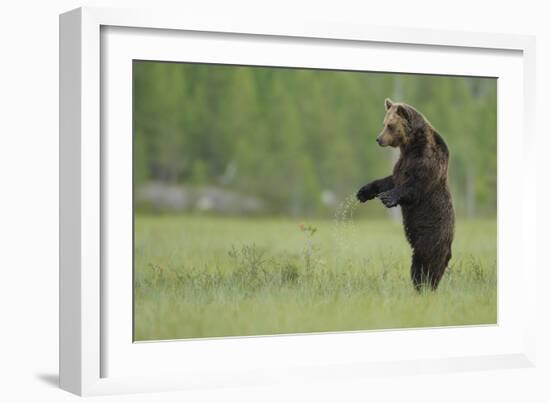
x=212 y=276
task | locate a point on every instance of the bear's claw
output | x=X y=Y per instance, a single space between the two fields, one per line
x=361 y=196
x=367 y=192
x=388 y=198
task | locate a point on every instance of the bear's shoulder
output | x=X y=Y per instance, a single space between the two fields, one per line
x=440 y=143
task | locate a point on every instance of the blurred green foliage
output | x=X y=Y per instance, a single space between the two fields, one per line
x=288 y=135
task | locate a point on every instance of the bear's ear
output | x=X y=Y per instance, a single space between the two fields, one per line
x=388 y=103
x=403 y=112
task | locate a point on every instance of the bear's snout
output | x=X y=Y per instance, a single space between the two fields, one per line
x=382 y=141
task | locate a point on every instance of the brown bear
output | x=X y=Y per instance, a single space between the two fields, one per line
x=419 y=185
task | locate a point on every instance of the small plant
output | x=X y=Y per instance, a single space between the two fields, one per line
x=477 y=270
x=311 y=251
x=250 y=261
x=308 y=229
x=289 y=273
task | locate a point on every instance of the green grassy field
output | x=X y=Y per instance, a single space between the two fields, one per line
x=213 y=276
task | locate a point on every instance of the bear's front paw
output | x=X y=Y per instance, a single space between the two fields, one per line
x=389 y=199
x=367 y=192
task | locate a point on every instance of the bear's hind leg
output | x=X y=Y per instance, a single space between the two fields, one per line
x=418 y=272
x=435 y=276
x=437 y=268
x=428 y=270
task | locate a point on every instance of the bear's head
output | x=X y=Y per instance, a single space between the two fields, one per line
x=401 y=124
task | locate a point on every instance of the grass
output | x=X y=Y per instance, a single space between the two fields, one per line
x=215 y=276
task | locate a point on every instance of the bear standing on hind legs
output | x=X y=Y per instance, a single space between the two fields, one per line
x=419 y=185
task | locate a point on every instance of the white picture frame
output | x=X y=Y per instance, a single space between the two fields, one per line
x=96 y=354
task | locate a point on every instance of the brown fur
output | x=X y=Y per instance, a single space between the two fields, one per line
x=419 y=185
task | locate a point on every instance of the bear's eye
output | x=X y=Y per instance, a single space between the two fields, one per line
x=390 y=127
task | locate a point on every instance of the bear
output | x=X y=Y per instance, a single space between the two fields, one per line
x=420 y=186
